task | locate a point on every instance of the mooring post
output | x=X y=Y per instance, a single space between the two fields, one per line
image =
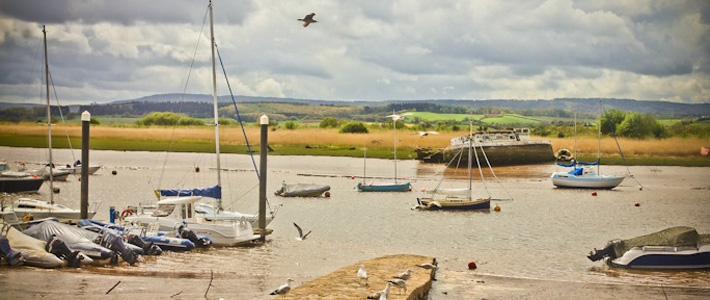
x=85 y=120
x=263 y=152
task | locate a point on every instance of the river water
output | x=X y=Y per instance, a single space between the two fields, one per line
x=542 y=233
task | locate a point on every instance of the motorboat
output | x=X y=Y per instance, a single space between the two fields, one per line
x=173 y=212
x=302 y=190
x=148 y=234
x=209 y=211
x=32 y=249
x=76 y=168
x=57 y=174
x=18 y=182
x=49 y=230
x=28 y=208
x=675 y=248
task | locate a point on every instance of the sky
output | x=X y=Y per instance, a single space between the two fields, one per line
x=102 y=51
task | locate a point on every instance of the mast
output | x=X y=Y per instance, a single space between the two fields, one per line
x=364 y=166
x=599 y=138
x=49 y=118
x=470 y=145
x=575 y=140
x=394 y=125
x=216 y=113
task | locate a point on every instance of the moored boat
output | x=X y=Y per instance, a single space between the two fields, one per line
x=302 y=190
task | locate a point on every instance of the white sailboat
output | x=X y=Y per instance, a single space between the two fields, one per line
x=583 y=174
x=385 y=186
x=33 y=208
x=184 y=206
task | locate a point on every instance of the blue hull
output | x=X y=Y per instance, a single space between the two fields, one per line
x=699 y=260
x=403 y=187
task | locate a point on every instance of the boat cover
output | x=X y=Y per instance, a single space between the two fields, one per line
x=212 y=192
x=680 y=236
x=300 y=189
x=33 y=250
x=70 y=235
x=577 y=171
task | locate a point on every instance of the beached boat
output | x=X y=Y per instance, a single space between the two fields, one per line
x=583 y=174
x=385 y=186
x=504 y=147
x=33 y=250
x=69 y=235
x=674 y=248
x=173 y=212
x=302 y=190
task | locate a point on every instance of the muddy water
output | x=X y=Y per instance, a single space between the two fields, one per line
x=542 y=232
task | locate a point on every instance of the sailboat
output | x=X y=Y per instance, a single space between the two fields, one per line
x=583 y=174
x=33 y=208
x=184 y=206
x=385 y=186
x=460 y=199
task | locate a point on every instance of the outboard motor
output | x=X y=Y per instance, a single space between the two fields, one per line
x=60 y=249
x=148 y=248
x=186 y=233
x=115 y=242
x=13 y=257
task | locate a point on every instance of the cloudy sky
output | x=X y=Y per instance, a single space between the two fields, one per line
x=360 y=50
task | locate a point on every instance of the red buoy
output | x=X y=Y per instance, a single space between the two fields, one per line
x=594 y=193
x=637 y=203
x=352 y=177
x=327 y=194
x=472 y=265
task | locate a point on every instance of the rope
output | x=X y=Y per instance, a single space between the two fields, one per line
x=618 y=146
x=494 y=175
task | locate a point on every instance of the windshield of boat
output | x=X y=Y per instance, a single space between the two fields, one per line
x=164 y=210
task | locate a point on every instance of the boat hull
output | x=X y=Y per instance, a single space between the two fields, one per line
x=663 y=258
x=588 y=181
x=504 y=154
x=455 y=204
x=393 y=187
x=20 y=185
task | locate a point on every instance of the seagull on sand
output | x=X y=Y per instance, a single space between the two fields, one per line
x=283 y=289
x=301 y=236
x=400 y=283
x=404 y=275
x=308 y=19
x=382 y=295
x=362 y=274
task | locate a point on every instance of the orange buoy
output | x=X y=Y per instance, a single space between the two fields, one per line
x=594 y=193
x=497 y=208
x=472 y=265
x=34 y=176
x=327 y=194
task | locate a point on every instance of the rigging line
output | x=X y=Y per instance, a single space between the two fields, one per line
x=459 y=154
x=239 y=118
x=236 y=109
x=618 y=146
x=29 y=80
x=494 y=173
x=61 y=115
x=182 y=98
x=480 y=171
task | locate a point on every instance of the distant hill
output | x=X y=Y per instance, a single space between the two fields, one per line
x=580 y=105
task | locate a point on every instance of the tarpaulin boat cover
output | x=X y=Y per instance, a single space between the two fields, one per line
x=212 y=192
x=681 y=236
x=576 y=171
x=69 y=235
x=299 y=189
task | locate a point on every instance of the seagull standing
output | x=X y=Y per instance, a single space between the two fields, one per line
x=283 y=289
x=301 y=236
x=308 y=19
x=404 y=275
x=400 y=283
x=382 y=295
x=362 y=274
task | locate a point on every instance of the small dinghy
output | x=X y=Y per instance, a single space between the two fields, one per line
x=74 y=240
x=675 y=248
x=145 y=237
x=302 y=190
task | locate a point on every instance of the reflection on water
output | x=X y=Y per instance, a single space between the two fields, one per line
x=543 y=233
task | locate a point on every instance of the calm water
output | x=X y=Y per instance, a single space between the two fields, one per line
x=543 y=233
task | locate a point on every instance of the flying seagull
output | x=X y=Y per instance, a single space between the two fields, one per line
x=308 y=19
x=301 y=236
x=362 y=274
x=283 y=289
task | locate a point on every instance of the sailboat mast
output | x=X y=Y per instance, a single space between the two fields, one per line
x=599 y=138
x=364 y=166
x=575 y=139
x=49 y=118
x=394 y=125
x=470 y=158
x=214 y=100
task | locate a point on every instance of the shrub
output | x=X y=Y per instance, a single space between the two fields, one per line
x=354 y=127
x=328 y=122
x=291 y=125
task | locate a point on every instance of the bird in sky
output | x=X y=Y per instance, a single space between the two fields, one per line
x=362 y=274
x=426 y=133
x=308 y=19
x=301 y=236
x=283 y=289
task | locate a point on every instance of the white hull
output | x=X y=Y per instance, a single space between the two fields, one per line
x=208 y=212
x=566 y=180
x=38 y=209
x=77 y=170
